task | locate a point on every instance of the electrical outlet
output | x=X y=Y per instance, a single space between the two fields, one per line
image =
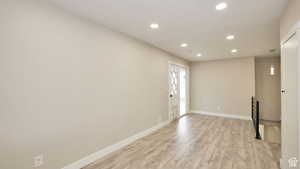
x=38 y=160
x=219 y=108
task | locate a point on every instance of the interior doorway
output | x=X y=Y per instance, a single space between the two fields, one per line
x=178 y=90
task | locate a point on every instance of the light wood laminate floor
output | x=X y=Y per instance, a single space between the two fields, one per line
x=196 y=142
x=272 y=131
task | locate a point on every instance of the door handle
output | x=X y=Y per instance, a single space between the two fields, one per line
x=282 y=91
x=171 y=95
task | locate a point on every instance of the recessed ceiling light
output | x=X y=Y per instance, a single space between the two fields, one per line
x=199 y=54
x=230 y=37
x=154 y=26
x=184 y=45
x=221 y=6
x=234 y=50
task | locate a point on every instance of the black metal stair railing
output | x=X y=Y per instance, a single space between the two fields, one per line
x=255 y=116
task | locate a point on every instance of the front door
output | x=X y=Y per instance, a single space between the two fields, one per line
x=174 y=108
x=177 y=91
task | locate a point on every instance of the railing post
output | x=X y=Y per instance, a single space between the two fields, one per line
x=257 y=121
x=252 y=102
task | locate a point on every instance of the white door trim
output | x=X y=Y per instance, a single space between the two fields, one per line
x=187 y=69
x=178 y=64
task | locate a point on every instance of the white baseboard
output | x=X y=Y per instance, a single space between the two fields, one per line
x=222 y=115
x=100 y=154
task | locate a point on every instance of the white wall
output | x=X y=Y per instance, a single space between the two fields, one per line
x=70 y=87
x=290 y=101
x=268 y=88
x=290 y=16
x=224 y=86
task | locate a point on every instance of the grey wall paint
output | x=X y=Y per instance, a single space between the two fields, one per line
x=267 y=88
x=70 y=87
x=290 y=16
x=224 y=86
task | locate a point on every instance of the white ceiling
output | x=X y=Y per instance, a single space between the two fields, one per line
x=255 y=24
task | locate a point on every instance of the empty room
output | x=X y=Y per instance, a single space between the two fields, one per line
x=149 y=84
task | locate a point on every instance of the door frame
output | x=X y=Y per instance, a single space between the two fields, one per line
x=187 y=69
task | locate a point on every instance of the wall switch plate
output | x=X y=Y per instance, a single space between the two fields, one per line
x=38 y=160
